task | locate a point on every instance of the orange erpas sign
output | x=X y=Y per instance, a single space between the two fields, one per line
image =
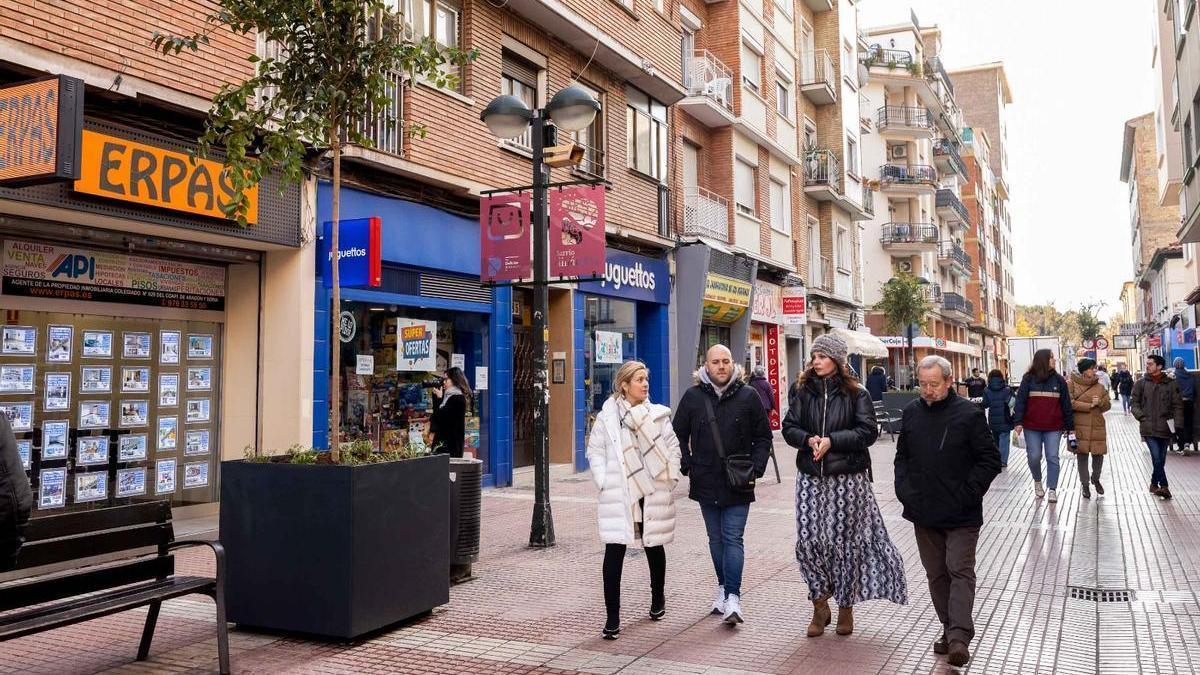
x=39 y=131
x=135 y=172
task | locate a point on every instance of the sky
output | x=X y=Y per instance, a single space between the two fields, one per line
x=1076 y=74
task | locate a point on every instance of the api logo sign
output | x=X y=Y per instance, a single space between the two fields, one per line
x=74 y=266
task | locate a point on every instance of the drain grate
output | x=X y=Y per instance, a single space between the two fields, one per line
x=1100 y=594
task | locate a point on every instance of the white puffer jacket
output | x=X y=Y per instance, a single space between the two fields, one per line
x=614 y=504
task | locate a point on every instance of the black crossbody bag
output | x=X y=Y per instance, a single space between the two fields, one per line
x=739 y=469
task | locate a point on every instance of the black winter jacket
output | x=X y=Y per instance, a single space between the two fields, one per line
x=945 y=463
x=744 y=428
x=1122 y=381
x=823 y=408
x=448 y=424
x=877 y=384
x=16 y=498
x=996 y=398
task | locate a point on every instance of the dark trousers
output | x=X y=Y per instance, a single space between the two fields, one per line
x=1184 y=436
x=614 y=561
x=1081 y=463
x=949 y=560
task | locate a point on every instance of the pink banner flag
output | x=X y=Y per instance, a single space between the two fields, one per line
x=504 y=238
x=577 y=232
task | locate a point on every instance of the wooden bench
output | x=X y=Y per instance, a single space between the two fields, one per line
x=89 y=591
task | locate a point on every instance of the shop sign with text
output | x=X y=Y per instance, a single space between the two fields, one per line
x=767 y=303
x=40 y=122
x=795 y=305
x=418 y=345
x=504 y=238
x=633 y=277
x=359 y=262
x=725 y=299
x=577 y=232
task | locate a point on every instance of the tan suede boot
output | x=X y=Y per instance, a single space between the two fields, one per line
x=845 y=624
x=821 y=618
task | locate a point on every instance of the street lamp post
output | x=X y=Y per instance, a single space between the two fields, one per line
x=571 y=109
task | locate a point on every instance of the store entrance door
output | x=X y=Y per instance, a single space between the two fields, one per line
x=522 y=396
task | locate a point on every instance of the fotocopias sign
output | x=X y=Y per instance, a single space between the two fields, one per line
x=40 y=123
x=504 y=238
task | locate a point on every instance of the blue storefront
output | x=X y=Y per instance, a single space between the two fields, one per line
x=622 y=318
x=429 y=277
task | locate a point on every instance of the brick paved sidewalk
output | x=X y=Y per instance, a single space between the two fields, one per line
x=540 y=611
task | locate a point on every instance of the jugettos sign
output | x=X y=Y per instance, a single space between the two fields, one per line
x=632 y=277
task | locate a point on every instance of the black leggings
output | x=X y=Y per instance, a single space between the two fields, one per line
x=614 y=560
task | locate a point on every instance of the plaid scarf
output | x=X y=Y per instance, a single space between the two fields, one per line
x=643 y=450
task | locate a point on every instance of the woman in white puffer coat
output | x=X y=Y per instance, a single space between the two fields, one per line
x=634 y=457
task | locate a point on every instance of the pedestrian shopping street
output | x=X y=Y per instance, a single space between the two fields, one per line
x=540 y=611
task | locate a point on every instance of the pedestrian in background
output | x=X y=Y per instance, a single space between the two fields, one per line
x=762 y=386
x=448 y=423
x=877 y=383
x=16 y=497
x=1103 y=378
x=634 y=457
x=842 y=544
x=998 y=400
x=725 y=439
x=1158 y=407
x=1042 y=413
x=1123 y=384
x=945 y=463
x=1089 y=401
x=1187 y=392
x=975 y=384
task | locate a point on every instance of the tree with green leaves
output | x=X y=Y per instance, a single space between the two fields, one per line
x=334 y=69
x=904 y=304
x=1087 y=318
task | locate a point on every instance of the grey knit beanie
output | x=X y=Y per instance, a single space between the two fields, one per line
x=832 y=346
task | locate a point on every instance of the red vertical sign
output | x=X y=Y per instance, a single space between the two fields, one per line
x=577 y=232
x=772 y=338
x=504 y=238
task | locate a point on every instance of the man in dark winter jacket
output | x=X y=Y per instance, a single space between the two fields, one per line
x=1122 y=383
x=945 y=463
x=740 y=422
x=1187 y=392
x=16 y=498
x=1159 y=411
x=975 y=384
x=877 y=383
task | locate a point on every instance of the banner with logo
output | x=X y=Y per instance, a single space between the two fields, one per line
x=504 y=251
x=49 y=271
x=632 y=277
x=773 y=337
x=767 y=306
x=795 y=305
x=416 y=345
x=359 y=249
x=577 y=232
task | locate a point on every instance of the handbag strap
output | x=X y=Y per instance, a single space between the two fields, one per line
x=712 y=424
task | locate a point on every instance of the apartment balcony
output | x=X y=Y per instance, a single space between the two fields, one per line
x=705 y=214
x=384 y=126
x=947 y=158
x=905 y=121
x=955 y=259
x=908 y=179
x=822 y=175
x=817 y=79
x=934 y=68
x=820 y=274
x=819 y=6
x=950 y=207
x=888 y=59
x=932 y=293
x=865 y=120
x=909 y=237
x=953 y=302
x=709 y=84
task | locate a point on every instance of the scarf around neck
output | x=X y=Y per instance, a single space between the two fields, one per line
x=643 y=449
x=447 y=394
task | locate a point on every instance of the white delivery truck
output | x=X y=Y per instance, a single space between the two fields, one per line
x=1021 y=350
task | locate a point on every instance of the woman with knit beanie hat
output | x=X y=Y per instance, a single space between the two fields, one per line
x=842 y=545
x=1090 y=401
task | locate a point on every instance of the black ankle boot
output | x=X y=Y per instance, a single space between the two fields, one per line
x=658 y=605
x=612 y=627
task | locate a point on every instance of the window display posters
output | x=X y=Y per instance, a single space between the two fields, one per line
x=95 y=380
x=135 y=379
x=25 y=452
x=199 y=379
x=168 y=433
x=20 y=415
x=58 y=343
x=131 y=482
x=608 y=347
x=418 y=345
x=91 y=450
x=196 y=442
x=54 y=439
x=168 y=347
x=168 y=390
x=131 y=448
x=137 y=346
x=135 y=413
x=195 y=474
x=90 y=487
x=19 y=340
x=200 y=346
x=93 y=414
x=57 y=395
x=197 y=410
x=52 y=488
x=97 y=344
x=16 y=379
x=164 y=473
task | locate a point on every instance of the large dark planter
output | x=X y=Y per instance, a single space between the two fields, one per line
x=336 y=551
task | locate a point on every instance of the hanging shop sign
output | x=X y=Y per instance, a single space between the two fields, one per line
x=768 y=304
x=632 y=277
x=725 y=299
x=774 y=335
x=1124 y=342
x=118 y=168
x=795 y=305
x=417 y=345
x=577 y=232
x=1154 y=341
x=40 y=122
x=900 y=342
x=50 y=271
x=359 y=258
x=504 y=238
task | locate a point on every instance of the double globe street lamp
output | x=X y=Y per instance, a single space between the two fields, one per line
x=571 y=109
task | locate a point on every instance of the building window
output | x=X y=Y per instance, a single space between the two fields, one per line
x=841 y=252
x=783 y=99
x=848 y=65
x=519 y=77
x=852 y=156
x=592 y=139
x=1187 y=147
x=781 y=207
x=646 y=140
x=751 y=68
x=745 y=187
x=687 y=45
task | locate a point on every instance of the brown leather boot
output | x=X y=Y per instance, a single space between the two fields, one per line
x=845 y=624
x=821 y=618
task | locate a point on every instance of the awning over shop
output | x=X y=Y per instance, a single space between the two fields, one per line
x=862 y=343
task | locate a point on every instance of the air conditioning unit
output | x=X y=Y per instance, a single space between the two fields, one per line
x=905 y=266
x=898 y=151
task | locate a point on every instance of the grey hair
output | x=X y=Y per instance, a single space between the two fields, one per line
x=935 y=361
x=759 y=371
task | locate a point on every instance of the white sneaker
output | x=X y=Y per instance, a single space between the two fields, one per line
x=1038 y=490
x=1052 y=496
x=733 y=609
x=718 y=606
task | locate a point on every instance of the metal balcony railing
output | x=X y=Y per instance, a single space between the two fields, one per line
x=384 y=127
x=947 y=198
x=954 y=302
x=944 y=147
x=906 y=174
x=933 y=65
x=816 y=68
x=904 y=116
x=821 y=167
x=593 y=163
x=909 y=233
x=891 y=58
x=705 y=214
x=932 y=292
x=707 y=76
x=820 y=273
x=955 y=254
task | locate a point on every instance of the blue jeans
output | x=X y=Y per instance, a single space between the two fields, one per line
x=1001 y=438
x=725 y=525
x=1125 y=402
x=1035 y=443
x=1158 y=457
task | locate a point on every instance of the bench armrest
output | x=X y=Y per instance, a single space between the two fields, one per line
x=217 y=549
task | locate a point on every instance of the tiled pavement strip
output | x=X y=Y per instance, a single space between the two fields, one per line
x=539 y=611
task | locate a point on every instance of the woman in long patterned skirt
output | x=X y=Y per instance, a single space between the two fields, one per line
x=842 y=545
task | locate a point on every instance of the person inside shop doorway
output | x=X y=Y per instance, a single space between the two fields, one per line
x=447 y=425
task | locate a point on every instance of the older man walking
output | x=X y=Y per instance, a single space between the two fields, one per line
x=945 y=463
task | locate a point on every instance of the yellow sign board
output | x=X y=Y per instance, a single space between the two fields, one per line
x=117 y=168
x=725 y=299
